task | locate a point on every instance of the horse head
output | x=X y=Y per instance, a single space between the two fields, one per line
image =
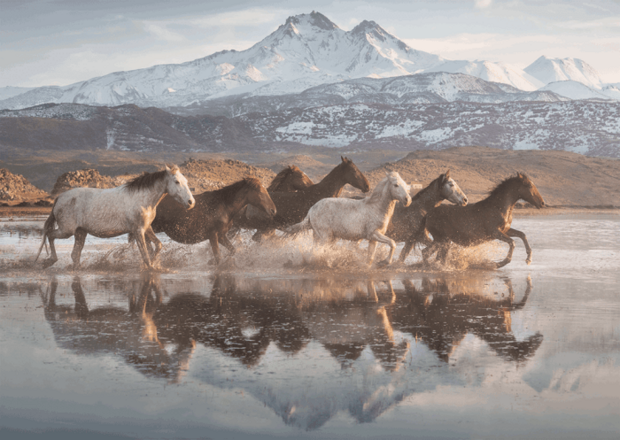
x=290 y=178
x=258 y=197
x=352 y=175
x=451 y=191
x=176 y=186
x=529 y=192
x=399 y=190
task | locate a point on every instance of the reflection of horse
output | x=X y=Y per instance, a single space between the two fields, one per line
x=132 y=334
x=443 y=311
x=487 y=220
x=293 y=206
x=406 y=224
x=353 y=219
x=106 y=213
x=212 y=216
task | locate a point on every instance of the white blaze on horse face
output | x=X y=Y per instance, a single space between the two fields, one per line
x=179 y=190
x=453 y=193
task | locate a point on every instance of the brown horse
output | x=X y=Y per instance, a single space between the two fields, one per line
x=212 y=216
x=406 y=224
x=487 y=220
x=290 y=179
x=293 y=206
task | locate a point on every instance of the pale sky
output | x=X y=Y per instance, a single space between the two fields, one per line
x=59 y=42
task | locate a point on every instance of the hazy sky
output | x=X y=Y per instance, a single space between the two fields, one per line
x=59 y=42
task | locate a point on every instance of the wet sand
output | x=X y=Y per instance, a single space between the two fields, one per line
x=287 y=340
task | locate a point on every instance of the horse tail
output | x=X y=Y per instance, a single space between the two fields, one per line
x=47 y=228
x=299 y=227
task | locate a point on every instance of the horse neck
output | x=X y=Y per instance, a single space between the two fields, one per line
x=152 y=196
x=240 y=200
x=428 y=198
x=382 y=199
x=331 y=185
x=504 y=200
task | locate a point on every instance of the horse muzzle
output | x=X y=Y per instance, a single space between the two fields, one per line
x=189 y=204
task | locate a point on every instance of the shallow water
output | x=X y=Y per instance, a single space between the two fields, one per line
x=285 y=340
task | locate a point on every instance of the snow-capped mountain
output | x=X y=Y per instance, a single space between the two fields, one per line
x=548 y=70
x=493 y=72
x=307 y=51
x=577 y=90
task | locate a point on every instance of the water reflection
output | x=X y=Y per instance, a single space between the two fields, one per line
x=389 y=339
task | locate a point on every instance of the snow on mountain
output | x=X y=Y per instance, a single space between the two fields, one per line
x=576 y=90
x=490 y=71
x=548 y=70
x=306 y=51
x=9 y=92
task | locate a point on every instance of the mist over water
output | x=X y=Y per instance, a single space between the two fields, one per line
x=285 y=339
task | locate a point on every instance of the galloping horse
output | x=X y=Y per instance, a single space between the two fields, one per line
x=290 y=179
x=105 y=213
x=212 y=217
x=293 y=206
x=406 y=224
x=487 y=220
x=354 y=219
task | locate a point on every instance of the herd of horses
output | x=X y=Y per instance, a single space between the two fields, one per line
x=162 y=202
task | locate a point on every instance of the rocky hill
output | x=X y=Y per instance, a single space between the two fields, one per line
x=15 y=189
x=89 y=178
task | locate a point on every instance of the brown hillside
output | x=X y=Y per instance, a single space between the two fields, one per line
x=206 y=175
x=562 y=178
x=15 y=188
x=89 y=178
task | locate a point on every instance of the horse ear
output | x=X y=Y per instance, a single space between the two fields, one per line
x=167 y=168
x=447 y=174
x=342 y=158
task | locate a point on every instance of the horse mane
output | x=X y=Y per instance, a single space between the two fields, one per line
x=282 y=175
x=229 y=192
x=427 y=188
x=502 y=186
x=148 y=180
x=378 y=191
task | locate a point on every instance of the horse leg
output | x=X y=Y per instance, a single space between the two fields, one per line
x=80 y=238
x=53 y=235
x=372 y=245
x=442 y=255
x=141 y=243
x=506 y=239
x=514 y=233
x=408 y=246
x=223 y=239
x=215 y=247
x=150 y=237
x=378 y=236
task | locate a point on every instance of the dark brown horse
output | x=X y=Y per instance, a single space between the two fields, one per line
x=290 y=179
x=293 y=206
x=212 y=216
x=407 y=222
x=487 y=220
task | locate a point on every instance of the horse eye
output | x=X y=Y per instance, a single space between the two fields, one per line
x=177 y=182
x=396 y=185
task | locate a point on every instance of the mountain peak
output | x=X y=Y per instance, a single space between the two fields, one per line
x=314 y=19
x=366 y=26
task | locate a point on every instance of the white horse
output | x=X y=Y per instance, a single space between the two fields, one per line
x=352 y=219
x=105 y=213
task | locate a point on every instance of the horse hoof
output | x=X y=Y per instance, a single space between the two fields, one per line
x=383 y=263
x=47 y=263
x=528 y=261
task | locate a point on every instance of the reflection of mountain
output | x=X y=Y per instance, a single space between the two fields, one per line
x=389 y=343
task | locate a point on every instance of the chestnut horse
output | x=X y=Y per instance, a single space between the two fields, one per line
x=293 y=206
x=487 y=220
x=212 y=216
x=406 y=224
